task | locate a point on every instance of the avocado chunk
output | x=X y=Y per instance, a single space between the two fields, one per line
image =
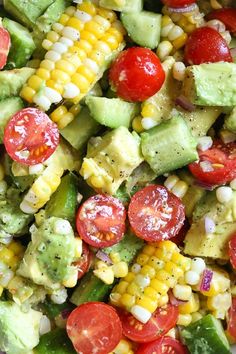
x=111 y=159
x=211 y=84
x=214 y=245
x=26 y=12
x=124 y=6
x=8 y=107
x=169 y=146
x=206 y=336
x=80 y=129
x=19 y=331
x=11 y=81
x=144 y=28
x=48 y=257
x=230 y=121
x=22 y=44
x=55 y=342
x=63 y=202
x=111 y=112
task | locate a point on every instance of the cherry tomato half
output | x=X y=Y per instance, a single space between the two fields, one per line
x=83 y=263
x=94 y=327
x=164 y=345
x=231 y=322
x=100 y=221
x=5 y=43
x=232 y=251
x=225 y=15
x=178 y=3
x=222 y=159
x=155 y=214
x=162 y=320
x=206 y=45
x=136 y=74
x=30 y=136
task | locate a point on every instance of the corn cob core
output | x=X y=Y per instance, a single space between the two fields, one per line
x=78 y=49
x=157 y=269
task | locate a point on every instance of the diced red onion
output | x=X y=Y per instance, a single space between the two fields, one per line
x=184 y=103
x=206 y=280
x=208 y=187
x=65 y=313
x=209 y=225
x=173 y=300
x=103 y=257
x=233 y=52
x=183 y=9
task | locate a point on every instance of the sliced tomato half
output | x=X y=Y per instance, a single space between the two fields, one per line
x=164 y=345
x=156 y=214
x=5 y=44
x=225 y=15
x=232 y=251
x=30 y=136
x=231 y=323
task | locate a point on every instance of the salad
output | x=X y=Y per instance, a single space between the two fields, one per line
x=117 y=176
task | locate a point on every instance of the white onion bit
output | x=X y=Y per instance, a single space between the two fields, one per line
x=210 y=225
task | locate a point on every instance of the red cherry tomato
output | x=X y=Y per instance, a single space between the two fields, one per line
x=5 y=43
x=155 y=214
x=231 y=322
x=100 y=221
x=206 y=45
x=30 y=136
x=164 y=345
x=94 y=327
x=222 y=159
x=225 y=15
x=83 y=263
x=162 y=320
x=178 y=3
x=232 y=251
x=136 y=74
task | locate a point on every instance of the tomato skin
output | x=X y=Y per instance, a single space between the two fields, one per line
x=225 y=15
x=162 y=320
x=136 y=74
x=155 y=214
x=178 y=3
x=83 y=264
x=100 y=221
x=5 y=43
x=220 y=154
x=32 y=132
x=206 y=45
x=231 y=323
x=94 y=327
x=232 y=251
x=163 y=345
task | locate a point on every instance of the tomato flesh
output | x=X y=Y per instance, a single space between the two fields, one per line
x=83 y=263
x=155 y=214
x=231 y=325
x=100 y=221
x=225 y=15
x=94 y=327
x=5 y=43
x=162 y=320
x=178 y=3
x=232 y=251
x=206 y=45
x=164 y=345
x=136 y=74
x=222 y=159
x=30 y=136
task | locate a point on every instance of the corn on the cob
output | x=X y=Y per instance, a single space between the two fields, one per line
x=79 y=48
x=172 y=33
x=107 y=273
x=141 y=291
x=176 y=186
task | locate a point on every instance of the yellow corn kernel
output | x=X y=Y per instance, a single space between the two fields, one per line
x=149 y=110
x=166 y=278
x=123 y=347
x=127 y=300
x=120 y=269
x=72 y=281
x=35 y=82
x=55 y=85
x=65 y=120
x=89 y=37
x=219 y=284
x=159 y=286
x=163 y=255
x=121 y=287
x=149 y=250
x=174 y=270
x=215 y=4
x=88 y=7
x=85 y=46
x=88 y=74
x=152 y=293
x=47 y=64
x=181 y=261
x=64 y=19
x=156 y=263
x=94 y=28
x=220 y=301
x=116 y=33
x=142 y=259
x=41 y=189
x=65 y=66
x=75 y=23
x=184 y=320
x=97 y=56
x=52 y=180
x=115 y=257
x=110 y=40
x=196 y=316
x=180 y=41
x=105 y=274
x=147 y=303
x=190 y=306
x=109 y=15
x=43 y=74
x=53 y=36
x=14 y=263
x=16 y=247
x=182 y=292
x=58 y=113
x=115 y=298
x=166 y=20
x=6 y=255
x=164 y=299
x=148 y=270
x=60 y=76
x=133 y=289
x=81 y=82
x=168 y=246
x=73 y=58
x=137 y=125
x=27 y=93
x=130 y=277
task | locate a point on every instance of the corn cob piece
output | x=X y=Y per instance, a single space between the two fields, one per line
x=176 y=186
x=157 y=269
x=79 y=49
x=10 y=257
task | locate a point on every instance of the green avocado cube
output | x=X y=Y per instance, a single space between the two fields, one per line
x=8 y=107
x=212 y=84
x=230 y=121
x=55 y=342
x=124 y=6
